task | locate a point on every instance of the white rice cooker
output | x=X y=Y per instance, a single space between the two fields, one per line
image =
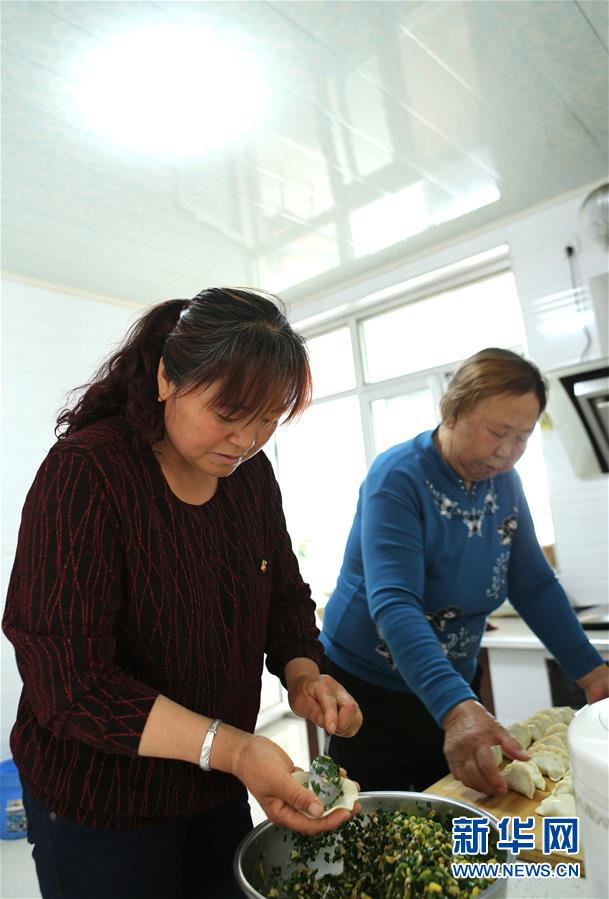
x=588 y=738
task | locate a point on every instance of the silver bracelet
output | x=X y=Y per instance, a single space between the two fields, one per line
x=207 y=744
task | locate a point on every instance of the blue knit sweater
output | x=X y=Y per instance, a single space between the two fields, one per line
x=426 y=561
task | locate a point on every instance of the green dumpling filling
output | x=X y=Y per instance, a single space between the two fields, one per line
x=325 y=780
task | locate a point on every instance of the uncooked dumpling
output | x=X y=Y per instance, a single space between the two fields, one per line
x=538 y=724
x=538 y=780
x=564 y=786
x=550 y=762
x=536 y=729
x=566 y=712
x=559 y=728
x=542 y=746
x=524 y=777
x=553 y=713
x=521 y=734
x=555 y=740
x=562 y=805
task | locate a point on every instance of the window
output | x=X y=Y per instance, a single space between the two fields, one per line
x=532 y=471
x=332 y=364
x=398 y=418
x=321 y=463
x=377 y=382
x=444 y=328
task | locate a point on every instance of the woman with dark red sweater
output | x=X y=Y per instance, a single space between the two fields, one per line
x=153 y=572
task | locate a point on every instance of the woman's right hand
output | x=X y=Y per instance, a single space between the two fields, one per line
x=470 y=731
x=266 y=771
x=174 y=732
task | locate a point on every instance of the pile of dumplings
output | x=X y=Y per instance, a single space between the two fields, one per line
x=544 y=737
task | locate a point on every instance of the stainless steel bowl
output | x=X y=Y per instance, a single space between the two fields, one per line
x=273 y=844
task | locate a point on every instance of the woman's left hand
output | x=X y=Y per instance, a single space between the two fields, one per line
x=321 y=699
x=595 y=684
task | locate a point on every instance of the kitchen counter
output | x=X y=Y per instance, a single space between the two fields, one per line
x=517 y=661
x=513 y=633
x=527 y=888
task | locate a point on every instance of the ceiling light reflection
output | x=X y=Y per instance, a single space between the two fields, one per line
x=469 y=202
x=389 y=219
x=172 y=91
x=407 y=212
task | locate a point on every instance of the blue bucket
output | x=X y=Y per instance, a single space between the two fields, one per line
x=12 y=814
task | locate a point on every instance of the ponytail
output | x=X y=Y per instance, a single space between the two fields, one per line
x=126 y=382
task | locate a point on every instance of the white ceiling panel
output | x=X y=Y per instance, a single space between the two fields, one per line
x=386 y=128
x=597 y=15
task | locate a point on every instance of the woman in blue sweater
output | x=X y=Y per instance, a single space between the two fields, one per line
x=441 y=536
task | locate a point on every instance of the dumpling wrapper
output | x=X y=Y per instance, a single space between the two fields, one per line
x=542 y=746
x=538 y=778
x=521 y=734
x=524 y=777
x=539 y=724
x=535 y=728
x=550 y=763
x=554 y=713
x=349 y=797
x=563 y=806
x=544 y=714
x=564 y=786
x=566 y=712
x=555 y=740
x=559 y=728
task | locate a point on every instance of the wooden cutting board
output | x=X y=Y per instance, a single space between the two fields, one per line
x=512 y=804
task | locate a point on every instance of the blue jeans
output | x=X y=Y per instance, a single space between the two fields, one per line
x=189 y=859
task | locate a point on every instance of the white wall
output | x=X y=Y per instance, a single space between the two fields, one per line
x=51 y=343
x=555 y=336
x=553 y=321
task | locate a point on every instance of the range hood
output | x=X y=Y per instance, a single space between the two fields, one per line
x=578 y=408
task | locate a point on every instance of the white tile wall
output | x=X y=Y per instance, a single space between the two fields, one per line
x=553 y=321
x=555 y=335
x=51 y=343
x=580 y=509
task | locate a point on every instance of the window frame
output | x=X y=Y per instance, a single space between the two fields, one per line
x=434 y=378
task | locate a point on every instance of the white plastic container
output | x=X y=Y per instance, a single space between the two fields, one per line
x=588 y=738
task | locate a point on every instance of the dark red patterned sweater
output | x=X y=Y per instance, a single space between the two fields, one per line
x=119 y=592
